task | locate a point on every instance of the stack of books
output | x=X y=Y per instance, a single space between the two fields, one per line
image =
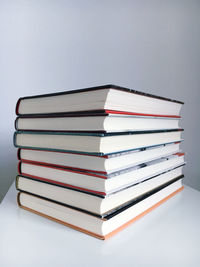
x=97 y=159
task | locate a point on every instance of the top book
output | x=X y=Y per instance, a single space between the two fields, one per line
x=101 y=98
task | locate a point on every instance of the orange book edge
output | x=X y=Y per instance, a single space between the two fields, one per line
x=96 y=235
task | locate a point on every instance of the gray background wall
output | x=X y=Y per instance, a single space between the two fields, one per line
x=49 y=46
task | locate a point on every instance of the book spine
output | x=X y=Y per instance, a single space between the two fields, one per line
x=16 y=124
x=19 y=167
x=16 y=182
x=14 y=139
x=19 y=154
x=18 y=199
x=17 y=106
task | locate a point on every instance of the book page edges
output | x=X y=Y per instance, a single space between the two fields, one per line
x=95 y=88
x=96 y=235
x=17 y=106
x=143 y=213
x=19 y=154
x=16 y=182
x=57 y=220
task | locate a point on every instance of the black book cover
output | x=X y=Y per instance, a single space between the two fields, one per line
x=118 y=209
x=108 y=86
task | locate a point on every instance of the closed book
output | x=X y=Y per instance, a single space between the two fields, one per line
x=90 y=200
x=107 y=97
x=93 y=225
x=103 y=184
x=94 y=143
x=100 y=164
x=104 y=123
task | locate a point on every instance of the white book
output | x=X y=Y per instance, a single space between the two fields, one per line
x=102 y=164
x=99 y=183
x=107 y=97
x=102 y=228
x=94 y=143
x=94 y=203
x=105 y=123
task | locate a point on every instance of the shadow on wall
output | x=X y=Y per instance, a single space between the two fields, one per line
x=8 y=172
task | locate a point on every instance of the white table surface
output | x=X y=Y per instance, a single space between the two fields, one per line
x=168 y=236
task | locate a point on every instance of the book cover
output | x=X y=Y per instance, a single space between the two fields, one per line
x=108 y=86
x=111 y=233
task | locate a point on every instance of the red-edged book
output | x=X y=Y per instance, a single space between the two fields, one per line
x=107 y=99
x=100 y=164
x=96 y=183
x=97 y=159
x=101 y=226
x=100 y=122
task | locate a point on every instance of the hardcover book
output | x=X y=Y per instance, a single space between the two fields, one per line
x=94 y=143
x=106 y=97
x=93 y=201
x=99 y=158
x=99 y=227
x=103 y=184
x=100 y=164
x=102 y=123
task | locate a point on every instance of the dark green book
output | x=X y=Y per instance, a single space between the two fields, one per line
x=94 y=143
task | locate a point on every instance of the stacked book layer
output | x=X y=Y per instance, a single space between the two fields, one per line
x=97 y=159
